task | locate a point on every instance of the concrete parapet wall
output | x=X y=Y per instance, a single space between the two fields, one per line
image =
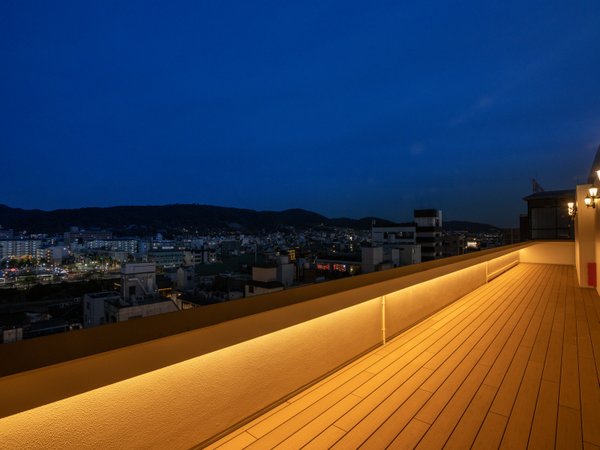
x=550 y=252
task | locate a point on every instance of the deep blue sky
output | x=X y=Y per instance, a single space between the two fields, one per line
x=346 y=108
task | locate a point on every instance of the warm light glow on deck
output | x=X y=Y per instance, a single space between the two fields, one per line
x=264 y=358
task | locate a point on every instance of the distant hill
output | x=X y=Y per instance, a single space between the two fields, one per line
x=141 y=220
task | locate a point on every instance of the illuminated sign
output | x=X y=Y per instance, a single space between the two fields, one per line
x=339 y=267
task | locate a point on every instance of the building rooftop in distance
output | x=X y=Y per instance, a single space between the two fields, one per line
x=105 y=294
x=265 y=284
x=562 y=194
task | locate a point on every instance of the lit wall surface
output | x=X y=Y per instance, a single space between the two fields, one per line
x=185 y=403
x=153 y=394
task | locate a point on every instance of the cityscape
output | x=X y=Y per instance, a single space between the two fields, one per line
x=88 y=277
x=299 y=225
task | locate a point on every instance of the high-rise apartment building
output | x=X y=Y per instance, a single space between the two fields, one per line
x=429 y=233
x=17 y=248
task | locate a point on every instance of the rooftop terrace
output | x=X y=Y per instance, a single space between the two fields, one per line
x=495 y=347
x=499 y=348
x=512 y=364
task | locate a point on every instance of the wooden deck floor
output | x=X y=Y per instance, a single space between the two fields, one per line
x=514 y=364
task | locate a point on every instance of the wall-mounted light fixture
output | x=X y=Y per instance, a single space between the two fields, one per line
x=572 y=209
x=590 y=199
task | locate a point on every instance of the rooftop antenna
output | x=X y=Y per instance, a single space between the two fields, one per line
x=535 y=186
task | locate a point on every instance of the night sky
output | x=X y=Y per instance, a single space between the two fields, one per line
x=346 y=108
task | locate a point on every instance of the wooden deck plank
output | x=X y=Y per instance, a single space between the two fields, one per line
x=506 y=377
x=326 y=439
x=361 y=426
x=400 y=388
x=478 y=340
x=479 y=318
x=588 y=374
x=344 y=423
x=339 y=377
x=520 y=421
x=409 y=362
x=395 y=423
x=490 y=433
x=441 y=396
x=462 y=338
x=553 y=361
x=590 y=400
x=278 y=427
x=446 y=421
x=466 y=430
x=512 y=364
x=243 y=428
x=444 y=424
x=317 y=426
x=510 y=336
x=543 y=429
x=542 y=340
x=411 y=435
x=568 y=433
x=396 y=378
x=508 y=389
x=569 y=377
x=437 y=403
x=593 y=323
x=543 y=294
x=518 y=428
x=518 y=298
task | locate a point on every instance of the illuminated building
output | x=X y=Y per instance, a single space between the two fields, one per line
x=76 y=235
x=167 y=258
x=94 y=307
x=270 y=279
x=138 y=280
x=398 y=247
x=17 y=248
x=130 y=246
x=138 y=298
x=547 y=216
x=340 y=266
x=429 y=233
